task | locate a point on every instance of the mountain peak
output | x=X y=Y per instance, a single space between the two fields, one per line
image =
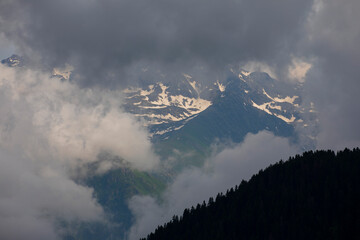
x=13 y=61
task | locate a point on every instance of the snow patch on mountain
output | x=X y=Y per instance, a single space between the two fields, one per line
x=152 y=107
x=163 y=98
x=288 y=120
x=268 y=105
x=64 y=72
x=192 y=105
x=262 y=107
x=245 y=73
x=162 y=117
x=281 y=100
x=158 y=104
x=275 y=104
x=147 y=92
x=220 y=86
x=170 y=129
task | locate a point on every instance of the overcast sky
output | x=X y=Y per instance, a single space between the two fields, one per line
x=312 y=41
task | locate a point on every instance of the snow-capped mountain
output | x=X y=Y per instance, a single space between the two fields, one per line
x=180 y=110
x=168 y=107
x=159 y=104
x=186 y=117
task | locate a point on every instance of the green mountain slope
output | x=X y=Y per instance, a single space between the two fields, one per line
x=313 y=196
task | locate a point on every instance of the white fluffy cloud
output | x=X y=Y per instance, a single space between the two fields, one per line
x=224 y=171
x=48 y=129
x=256 y=66
x=34 y=195
x=298 y=70
x=51 y=118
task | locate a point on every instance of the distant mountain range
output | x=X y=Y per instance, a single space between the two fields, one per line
x=227 y=109
x=186 y=117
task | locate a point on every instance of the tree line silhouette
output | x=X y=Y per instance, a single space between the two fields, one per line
x=315 y=195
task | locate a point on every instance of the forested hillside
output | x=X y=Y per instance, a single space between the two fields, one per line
x=312 y=196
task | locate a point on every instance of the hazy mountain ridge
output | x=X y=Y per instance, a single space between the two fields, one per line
x=166 y=106
x=184 y=119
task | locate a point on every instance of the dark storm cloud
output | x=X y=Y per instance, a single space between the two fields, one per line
x=105 y=36
x=333 y=38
